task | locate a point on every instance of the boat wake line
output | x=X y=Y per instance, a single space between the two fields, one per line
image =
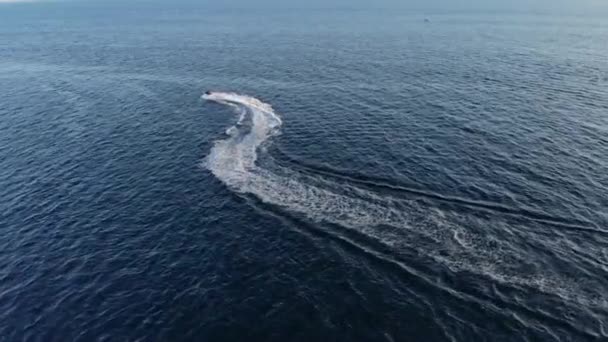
x=494 y=249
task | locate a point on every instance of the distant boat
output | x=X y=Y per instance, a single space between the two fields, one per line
x=427 y=20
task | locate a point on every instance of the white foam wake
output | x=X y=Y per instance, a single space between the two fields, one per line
x=232 y=160
x=402 y=224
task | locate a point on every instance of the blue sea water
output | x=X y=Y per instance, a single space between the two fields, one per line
x=353 y=176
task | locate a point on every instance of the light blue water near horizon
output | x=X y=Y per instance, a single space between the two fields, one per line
x=378 y=177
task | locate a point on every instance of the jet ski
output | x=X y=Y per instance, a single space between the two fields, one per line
x=207 y=92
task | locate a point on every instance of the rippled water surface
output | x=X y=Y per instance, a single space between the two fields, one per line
x=353 y=176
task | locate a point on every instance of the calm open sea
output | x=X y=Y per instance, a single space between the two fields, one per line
x=353 y=176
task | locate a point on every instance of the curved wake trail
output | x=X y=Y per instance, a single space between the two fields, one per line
x=479 y=245
x=233 y=160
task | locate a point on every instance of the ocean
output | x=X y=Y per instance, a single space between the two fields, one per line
x=352 y=175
